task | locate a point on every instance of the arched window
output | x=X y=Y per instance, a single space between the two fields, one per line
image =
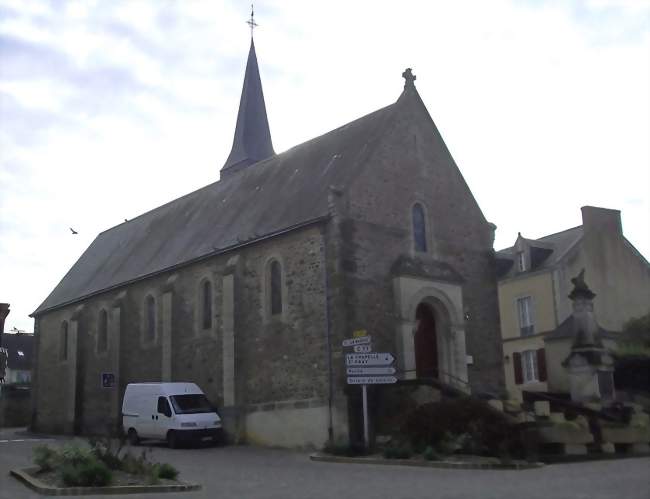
x=150 y=319
x=63 y=341
x=206 y=304
x=275 y=287
x=102 y=332
x=419 y=229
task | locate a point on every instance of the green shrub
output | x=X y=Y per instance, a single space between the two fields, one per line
x=75 y=455
x=70 y=475
x=451 y=443
x=79 y=467
x=166 y=471
x=430 y=454
x=398 y=451
x=137 y=465
x=45 y=457
x=94 y=474
x=464 y=424
x=107 y=450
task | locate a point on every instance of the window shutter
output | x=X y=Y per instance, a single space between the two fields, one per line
x=541 y=364
x=516 y=361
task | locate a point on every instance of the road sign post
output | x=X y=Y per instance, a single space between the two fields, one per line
x=366 y=434
x=366 y=368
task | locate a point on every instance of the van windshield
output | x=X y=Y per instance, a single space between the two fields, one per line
x=191 y=404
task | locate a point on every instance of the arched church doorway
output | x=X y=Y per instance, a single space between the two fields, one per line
x=426 y=342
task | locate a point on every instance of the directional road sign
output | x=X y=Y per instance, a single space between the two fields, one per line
x=356 y=341
x=369 y=371
x=368 y=359
x=362 y=349
x=372 y=380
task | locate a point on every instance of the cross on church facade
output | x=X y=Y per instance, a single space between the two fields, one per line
x=251 y=22
x=409 y=78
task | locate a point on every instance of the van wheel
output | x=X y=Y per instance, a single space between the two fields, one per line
x=132 y=436
x=172 y=439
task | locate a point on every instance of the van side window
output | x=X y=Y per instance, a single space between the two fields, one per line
x=163 y=407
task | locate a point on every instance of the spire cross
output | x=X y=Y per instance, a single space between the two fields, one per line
x=251 y=22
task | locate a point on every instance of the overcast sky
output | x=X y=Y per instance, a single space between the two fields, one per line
x=110 y=108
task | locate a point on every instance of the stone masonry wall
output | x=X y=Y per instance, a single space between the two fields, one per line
x=412 y=164
x=276 y=360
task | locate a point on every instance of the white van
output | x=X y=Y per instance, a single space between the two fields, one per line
x=174 y=412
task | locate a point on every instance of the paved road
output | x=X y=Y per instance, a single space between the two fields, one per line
x=253 y=473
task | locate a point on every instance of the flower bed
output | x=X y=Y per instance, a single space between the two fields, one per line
x=100 y=467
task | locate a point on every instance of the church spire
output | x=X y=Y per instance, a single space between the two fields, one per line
x=252 y=142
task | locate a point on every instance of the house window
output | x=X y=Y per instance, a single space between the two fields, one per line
x=63 y=341
x=525 y=312
x=529 y=366
x=206 y=304
x=419 y=229
x=150 y=319
x=102 y=332
x=275 y=287
x=521 y=261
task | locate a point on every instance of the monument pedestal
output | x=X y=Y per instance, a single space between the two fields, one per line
x=591 y=375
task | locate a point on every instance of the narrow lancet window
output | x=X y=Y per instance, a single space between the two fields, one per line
x=206 y=292
x=102 y=333
x=63 y=344
x=276 y=288
x=419 y=229
x=150 y=319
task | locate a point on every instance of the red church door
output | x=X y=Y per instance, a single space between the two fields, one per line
x=426 y=344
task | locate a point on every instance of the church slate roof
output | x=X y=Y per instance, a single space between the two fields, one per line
x=252 y=141
x=283 y=192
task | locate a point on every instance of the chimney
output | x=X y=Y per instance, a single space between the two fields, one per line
x=601 y=219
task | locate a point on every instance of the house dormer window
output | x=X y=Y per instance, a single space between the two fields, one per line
x=521 y=261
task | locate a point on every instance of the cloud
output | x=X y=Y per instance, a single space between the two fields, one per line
x=109 y=109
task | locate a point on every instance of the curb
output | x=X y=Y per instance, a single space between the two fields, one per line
x=35 y=484
x=424 y=464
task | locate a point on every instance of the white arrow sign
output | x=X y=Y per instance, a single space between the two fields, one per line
x=362 y=349
x=356 y=341
x=368 y=359
x=365 y=371
x=372 y=380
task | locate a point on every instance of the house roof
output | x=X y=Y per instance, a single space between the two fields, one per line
x=545 y=251
x=282 y=192
x=15 y=345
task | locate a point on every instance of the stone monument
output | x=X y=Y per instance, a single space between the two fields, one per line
x=590 y=365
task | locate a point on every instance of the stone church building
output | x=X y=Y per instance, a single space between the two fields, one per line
x=248 y=286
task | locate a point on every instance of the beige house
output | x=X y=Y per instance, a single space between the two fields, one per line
x=534 y=284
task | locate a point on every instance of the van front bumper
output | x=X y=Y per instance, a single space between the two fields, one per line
x=199 y=434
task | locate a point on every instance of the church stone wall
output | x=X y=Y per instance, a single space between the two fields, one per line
x=280 y=364
x=413 y=165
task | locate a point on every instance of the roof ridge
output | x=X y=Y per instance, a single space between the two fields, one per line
x=249 y=168
x=558 y=232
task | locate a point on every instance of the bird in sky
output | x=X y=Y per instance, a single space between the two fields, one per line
x=73 y=231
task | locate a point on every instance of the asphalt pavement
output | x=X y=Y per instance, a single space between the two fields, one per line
x=243 y=472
